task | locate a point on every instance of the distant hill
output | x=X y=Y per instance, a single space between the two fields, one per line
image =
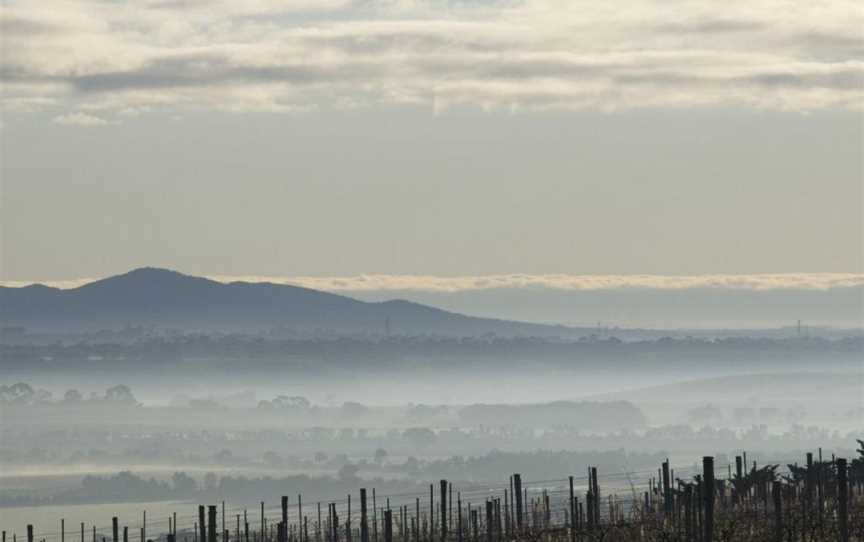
x=164 y=298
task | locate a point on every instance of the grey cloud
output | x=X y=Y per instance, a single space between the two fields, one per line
x=846 y=79
x=710 y=26
x=11 y=25
x=506 y=53
x=204 y=70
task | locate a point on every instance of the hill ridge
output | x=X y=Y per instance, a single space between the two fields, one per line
x=169 y=298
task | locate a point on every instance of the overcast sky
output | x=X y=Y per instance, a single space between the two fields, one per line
x=472 y=137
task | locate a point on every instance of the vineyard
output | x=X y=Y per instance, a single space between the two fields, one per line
x=820 y=499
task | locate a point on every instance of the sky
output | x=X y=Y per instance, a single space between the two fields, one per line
x=469 y=138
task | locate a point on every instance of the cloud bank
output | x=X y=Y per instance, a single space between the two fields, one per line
x=107 y=59
x=432 y=283
x=429 y=283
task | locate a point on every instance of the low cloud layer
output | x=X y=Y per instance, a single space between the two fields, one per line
x=88 y=59
x=432 y=283
x=428 y=283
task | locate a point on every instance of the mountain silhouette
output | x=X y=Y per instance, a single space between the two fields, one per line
x=165 y=298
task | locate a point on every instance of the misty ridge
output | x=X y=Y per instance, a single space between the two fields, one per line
x=152 y=317
x=172 y=301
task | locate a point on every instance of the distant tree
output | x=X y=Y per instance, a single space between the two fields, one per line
x=72 y=396
x=320 y=457
x=120 y=394
x=183 y=483
x=856 y=467
x=20 y=393
x=296 y=402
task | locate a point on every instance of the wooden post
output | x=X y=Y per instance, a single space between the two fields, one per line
x=547 y=510
x=474 y=527
x=688 y=512
x=431 y=511
x=211 y=523
x=460 y=538
x=589 y=509
x=820 y=491
x=572 y=509
x=507 y=532
x=125 y=533
x=283 y=532
x=667 y=490
x=488 y=521
x=450 y=506
x=202 y=526
x=739 y=473
x=443 y=509
x=375 y=517
x=708 y=496
x=364 y=525
x=388 y=526
x=596 y=496
x=82 y=533
x=348 y=521
x=808 y=489
x=30 y=533
x=842 y=500
x=512 y=509
x=777 y=494
x=498 y=528
x=115 y=530
x=517 y=493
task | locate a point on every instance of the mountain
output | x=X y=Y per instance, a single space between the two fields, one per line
x=164 y=298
